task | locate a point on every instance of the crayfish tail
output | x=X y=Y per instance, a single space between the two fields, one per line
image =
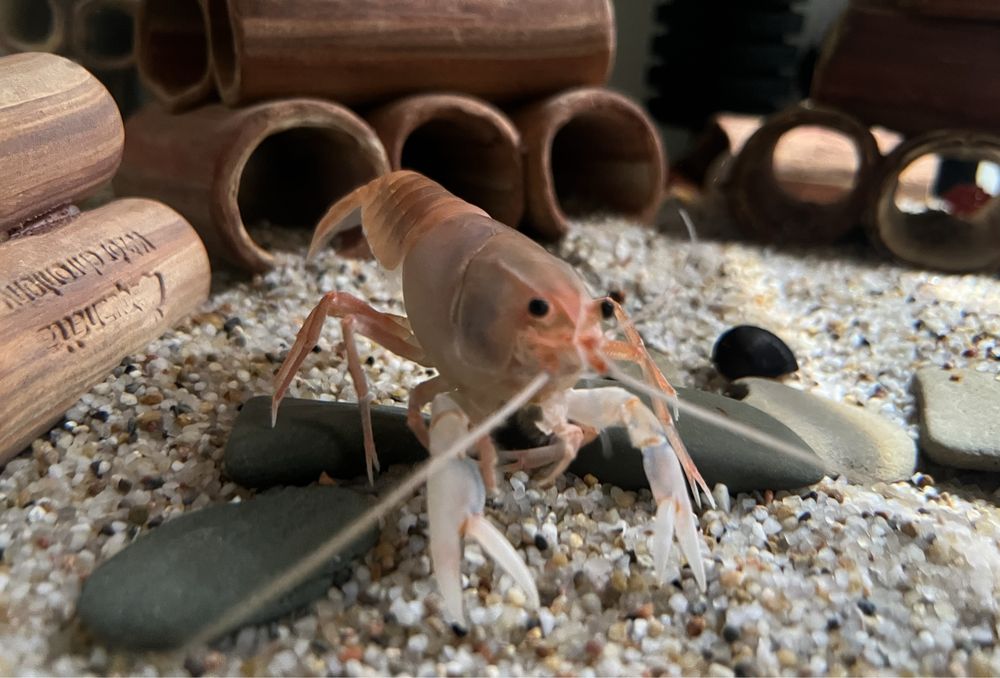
x=395 y=208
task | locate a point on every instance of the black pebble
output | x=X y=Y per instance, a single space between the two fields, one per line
x=460 y=630
x=744 y=669
x=867 y=606
x=541 y=543
x=231 y=324
x=730 y=633
x=748 y=351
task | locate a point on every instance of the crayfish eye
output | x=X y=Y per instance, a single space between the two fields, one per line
x=607 y=309
x=538 y=307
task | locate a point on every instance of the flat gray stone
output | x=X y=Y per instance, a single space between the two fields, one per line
x=159 y=592
x=721 y=456
x=312 y=437
x=861 y=445
x=959 y=417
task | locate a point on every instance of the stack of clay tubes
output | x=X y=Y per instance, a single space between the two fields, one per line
x=79 y=290
x=940 y=107
x=501 y=102
x=96 y=33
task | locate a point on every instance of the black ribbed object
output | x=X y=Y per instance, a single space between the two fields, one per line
x=723 y=55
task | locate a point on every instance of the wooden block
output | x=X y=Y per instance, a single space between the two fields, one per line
x=75 y=300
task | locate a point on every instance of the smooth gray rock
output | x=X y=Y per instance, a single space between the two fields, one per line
x=959 y=417
x=721 y=456
x=159 y=592
x=312 y=437
x=861 y=445
x=327 y=437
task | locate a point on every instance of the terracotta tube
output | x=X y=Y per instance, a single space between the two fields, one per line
x=465 y=144
x=283 y=162
x=930 y=72
x=963 y=238
x=103 y=33
x=35 y=25
x=365 y=52
x=589 y=151
x=76 y=300
x=61 y=136
x=821 y=206
x=172 y=52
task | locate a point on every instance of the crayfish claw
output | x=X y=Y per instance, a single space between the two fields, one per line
x=674 y=512
x=496 y=545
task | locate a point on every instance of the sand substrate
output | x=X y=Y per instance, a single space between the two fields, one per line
x=836 y=579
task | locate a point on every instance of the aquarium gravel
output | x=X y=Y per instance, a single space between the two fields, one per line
x=836 y=579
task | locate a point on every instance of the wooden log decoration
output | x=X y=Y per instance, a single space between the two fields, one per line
x=913 y=72
x=75 y=300
x=172 y=52
x=284 y=162
x=463 y=143
x=103 y=32
x=962 y=232
x=811 y=211
x=372 y=51
x=35 y=25
x=61 y=137
x=589 y=150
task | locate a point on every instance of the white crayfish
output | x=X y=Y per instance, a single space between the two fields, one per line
x=505 y=323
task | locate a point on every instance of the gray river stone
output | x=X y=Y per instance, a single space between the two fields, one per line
x=160 y=591
x=313 y=437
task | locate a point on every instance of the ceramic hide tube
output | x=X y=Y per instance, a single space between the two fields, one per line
x=588 y=151
x=284 y=162
x=172 y=52
x=103 y=33
x=962 y=236
x=35 y=25
x=373 y=50
x=76 y=300
x=61 y=136
x=463 y=143
x=805 y=211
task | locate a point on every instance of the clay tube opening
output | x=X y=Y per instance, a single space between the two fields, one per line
x=293 y=176
x=173 y=56
x=469 y=157
x=106 y=31
x=803 y=177
x=589 y=151
x=937 y=203
x=816 y=164
x=605 y=161
x=28 y=25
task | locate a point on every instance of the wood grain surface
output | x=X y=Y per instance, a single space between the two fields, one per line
x=61 y=136
x=76 y=300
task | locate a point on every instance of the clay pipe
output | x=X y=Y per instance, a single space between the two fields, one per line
x=820 y=208
x=172 y=52
x=965 y=236
x=76 y=300
x=463 y=143
x=589 y=151
x=61 y=137
x=372 y=51
x=35 y=25
x=284 y=162
x=103 y=33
